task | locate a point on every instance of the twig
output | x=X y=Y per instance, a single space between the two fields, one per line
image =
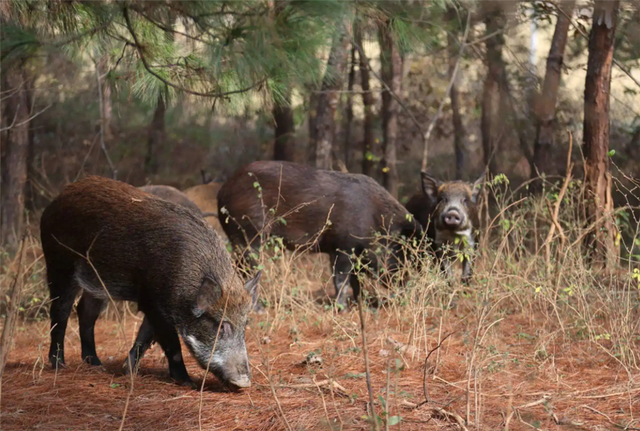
x=555 y=224
x=452 y=80
x=365 y=352
x=424 y=375
x=514 y=410
x=206 y=371
x=138 y=46
x=440 y=412
x=25 y=121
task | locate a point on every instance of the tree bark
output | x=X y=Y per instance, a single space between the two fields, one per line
x=156 y=137
x=284 y=130
x=458 y=127
x=15 y=153
x=545 y=102
x=349 y=109
x=391 y=74
x=368 y=143
x=106 y=100
x=324 y=121
x=492 y=120
x=600 y=242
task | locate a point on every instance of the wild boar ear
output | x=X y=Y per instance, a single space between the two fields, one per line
x=208 y=294
x=477 y=187
x=252 y=286
x=430 y=185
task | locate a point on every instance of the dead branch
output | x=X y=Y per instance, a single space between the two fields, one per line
x=452 y=417
x=365 y=352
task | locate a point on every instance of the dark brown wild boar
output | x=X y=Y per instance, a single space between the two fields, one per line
x=337 y=212
x=174 y=195
x=448 y=211
x=111 y=240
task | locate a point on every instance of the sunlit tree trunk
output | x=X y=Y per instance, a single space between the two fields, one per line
x=458 y=127
x=156 y=137
x=325 y=124
x=14 y=154
x=601 y=240
x=545 y=102
x=368 y=143
x=391 y=73
x=492 y=121
x=349 y=109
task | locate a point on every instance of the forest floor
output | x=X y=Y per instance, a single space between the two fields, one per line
x=512 y=371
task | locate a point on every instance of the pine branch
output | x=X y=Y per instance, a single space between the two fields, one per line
x=138 y=46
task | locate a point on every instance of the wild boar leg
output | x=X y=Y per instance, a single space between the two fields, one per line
x=62 y=290
x=140 y=346
x=467 y=271
x=342 y=269
x=89 y=309
x=167 y=336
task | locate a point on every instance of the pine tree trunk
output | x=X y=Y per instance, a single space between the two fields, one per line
x=368 y=143
x=349 y=109
x=324 y=121
x=600 y=242
x=156 y=138
x=492 y=120
x=15 y=151
x=545 y=103
x=284 y=129
x=391 y=73
x=106 y=100
x=458 y=127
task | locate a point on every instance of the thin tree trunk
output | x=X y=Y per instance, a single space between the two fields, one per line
x=492 y=120
x=391 y=74
x=600 y=242
x=349 y=108
x=156 y=137
x=106 y=100
x=15 y=152
x=545 y=103
x=324 y=127
x=458 y=127
x=368 y=143
x=284 y=129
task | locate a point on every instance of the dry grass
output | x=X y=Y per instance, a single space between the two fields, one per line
x=533 y=345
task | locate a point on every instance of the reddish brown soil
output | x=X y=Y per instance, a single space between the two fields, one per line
x=586 y=387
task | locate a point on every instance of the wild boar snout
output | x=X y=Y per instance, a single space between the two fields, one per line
x=453 y=218
x=229 y=361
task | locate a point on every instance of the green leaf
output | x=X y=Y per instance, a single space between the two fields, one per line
x=611 y=153
x=394 y=420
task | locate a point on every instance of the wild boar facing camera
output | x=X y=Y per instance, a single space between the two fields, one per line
x=448 y=211
x=109 y=240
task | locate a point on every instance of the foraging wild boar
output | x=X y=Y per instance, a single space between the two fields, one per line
x=336 y=211
x=110 y=240
x=171 y=194
x=448 y=212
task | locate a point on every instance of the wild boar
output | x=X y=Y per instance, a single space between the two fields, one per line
x=337 y=212
x=174 y=195
x=448 y=211
x=205 y=196
x=112 y=241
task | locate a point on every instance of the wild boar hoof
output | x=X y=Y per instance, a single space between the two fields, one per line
x=92 y=360
x=187 y=383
